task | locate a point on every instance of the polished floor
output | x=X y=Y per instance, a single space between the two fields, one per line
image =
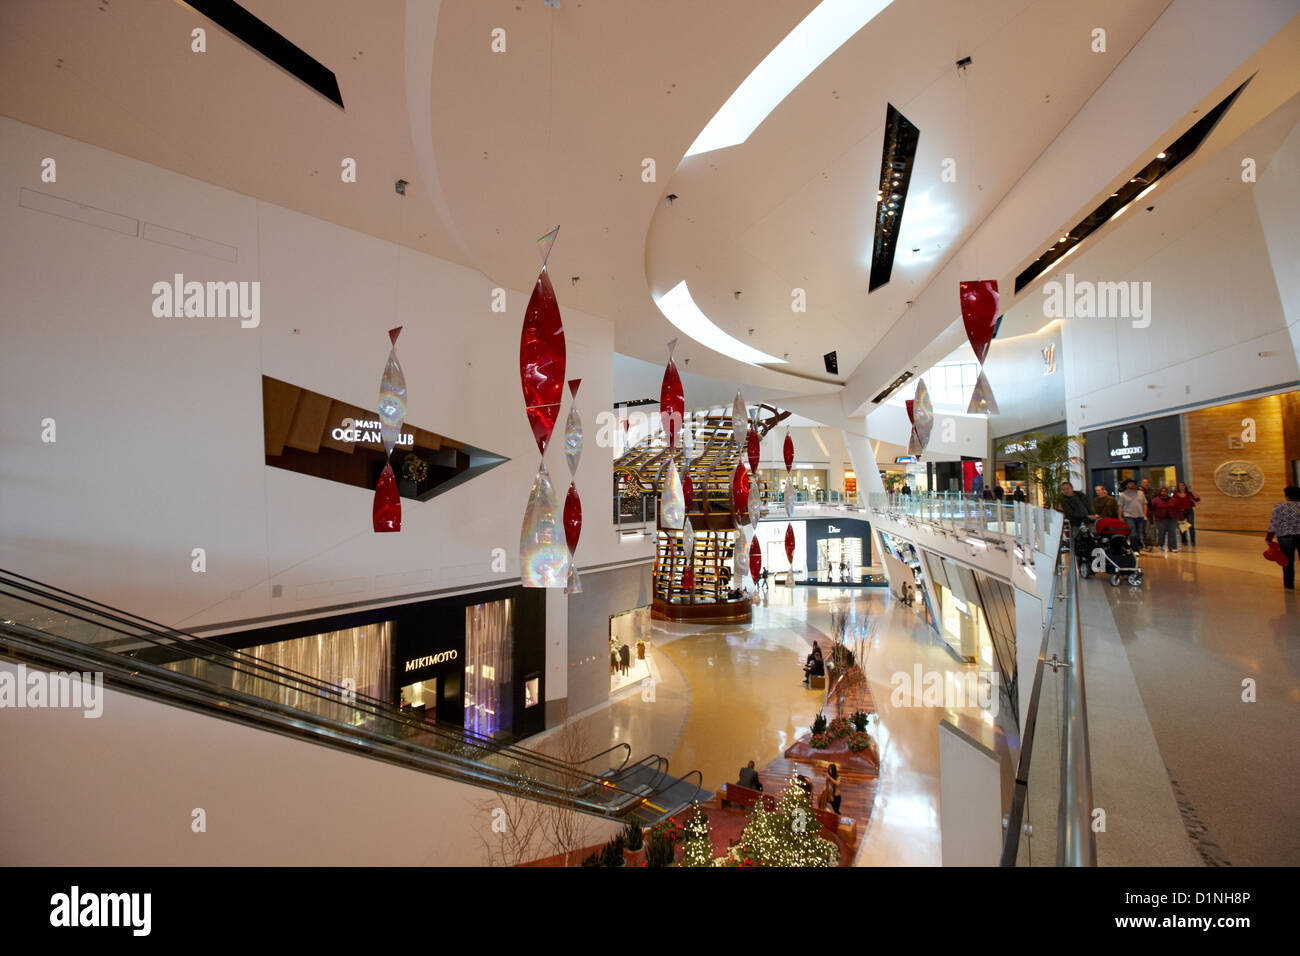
x=1209 y=619
x=728 y=694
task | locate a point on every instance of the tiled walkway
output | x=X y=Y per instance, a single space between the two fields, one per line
x=1208 y=619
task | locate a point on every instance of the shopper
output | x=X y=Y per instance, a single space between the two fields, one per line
x=1149 y=529
x=1166 y=513
x=1284 y=524
x=1020 y=493
x=1074 y=507
x=906 y=489
x=749 y=777
x=831 y=793
x=814 y=666
x=1103 y=505
x=1133 y=509
x=999 y=493
x=1187 y=500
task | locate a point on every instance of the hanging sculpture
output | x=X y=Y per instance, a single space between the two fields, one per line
x=979 y=313
x=572 y=503
x=923 y=413
x=672 y=402
x=755 y=559
x=386 y=512
x=787 y=452
x=543 y=550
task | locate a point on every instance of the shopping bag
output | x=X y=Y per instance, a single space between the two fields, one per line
x=1274 y=553
x=1184 y=527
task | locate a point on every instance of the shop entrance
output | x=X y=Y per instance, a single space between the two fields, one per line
x=1113 y=478
x=839 y=559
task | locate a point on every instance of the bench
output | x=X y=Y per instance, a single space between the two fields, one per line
x=832 y=824
x=817 y=682
x=733 y=794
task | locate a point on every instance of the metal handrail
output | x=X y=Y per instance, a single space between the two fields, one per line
x=134 y=674
x=1076 y=846
x=1076 y=843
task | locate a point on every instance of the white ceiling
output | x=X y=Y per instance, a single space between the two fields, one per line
x=555 y=131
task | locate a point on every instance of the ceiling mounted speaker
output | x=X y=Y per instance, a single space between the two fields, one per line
x=832 y=363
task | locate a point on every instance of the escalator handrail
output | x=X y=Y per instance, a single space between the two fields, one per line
x=247 y=663
x=172 y=686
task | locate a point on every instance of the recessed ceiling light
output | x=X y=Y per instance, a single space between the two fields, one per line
x=806 y=47
x=1160 y=155
x=680 y=309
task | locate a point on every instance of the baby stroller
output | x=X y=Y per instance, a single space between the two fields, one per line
x=1106 y=549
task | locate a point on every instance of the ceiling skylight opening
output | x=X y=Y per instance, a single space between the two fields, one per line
x=806 y=47
x=680 y=309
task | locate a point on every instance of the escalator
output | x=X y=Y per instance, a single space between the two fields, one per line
x=56 y=630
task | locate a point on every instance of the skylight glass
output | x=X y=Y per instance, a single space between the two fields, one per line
x=680 y=309
x=807 y=46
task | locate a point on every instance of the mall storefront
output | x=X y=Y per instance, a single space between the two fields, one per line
x=1149 y=450
x=475 y=661
x=1237 y=457
x=1009 y=469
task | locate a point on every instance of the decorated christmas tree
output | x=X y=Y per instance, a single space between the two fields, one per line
x=697 y=848
x=787 y=836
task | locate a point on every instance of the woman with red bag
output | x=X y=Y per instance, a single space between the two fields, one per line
x=1187 y=500
x=1166 y=513
x=1284 y=524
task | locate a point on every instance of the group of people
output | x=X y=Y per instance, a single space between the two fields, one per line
x=830 y=795
x=1156 y=518
x=998 y=493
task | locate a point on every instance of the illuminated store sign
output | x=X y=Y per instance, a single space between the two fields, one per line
x=1016 y=447
x=418 y=662
x=905 y=460
x=1127 y=444
x=368 y=431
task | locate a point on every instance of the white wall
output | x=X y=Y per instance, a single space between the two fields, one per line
x=159 y=421
x=123 y=787
x=1277 y=200
x=1026 y=397
x=1215 y=307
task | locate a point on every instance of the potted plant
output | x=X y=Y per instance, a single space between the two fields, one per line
x=658 y=849
x=612 y=854
x=839 y=728
x=819 y=724
x=860 y=719
x=633 y=845
x=819 y=741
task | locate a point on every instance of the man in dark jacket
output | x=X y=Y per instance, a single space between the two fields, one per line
x=749 y=778
x=1074 y=507
x=1103 y=505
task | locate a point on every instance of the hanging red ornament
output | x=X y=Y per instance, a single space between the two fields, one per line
x=979 y=313
x=672 y=401
x=688 y=579
x=789 y=544
x=572 y=518
x=911 y=411
x=387 y=510
x=788 y=450
x=740 y=493
x=688 y=490
x=752 y=443
x=755 y=559
x=541 y=360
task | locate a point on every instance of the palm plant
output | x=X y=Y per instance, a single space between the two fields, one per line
x=1047 y=459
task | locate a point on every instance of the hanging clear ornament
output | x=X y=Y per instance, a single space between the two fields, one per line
x=573 y=431
x=543 y=550
x=672 y=501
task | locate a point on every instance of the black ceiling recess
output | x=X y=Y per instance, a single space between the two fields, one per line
x=891 y=388
x=832 y=361
x=896 y=162
x=1152 y=172
x=243 y=26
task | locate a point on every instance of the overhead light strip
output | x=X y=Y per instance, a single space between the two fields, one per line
x=680 y=309
x=1138 y=187
x=827 y=28
x=252 y=32
x=896 y=160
